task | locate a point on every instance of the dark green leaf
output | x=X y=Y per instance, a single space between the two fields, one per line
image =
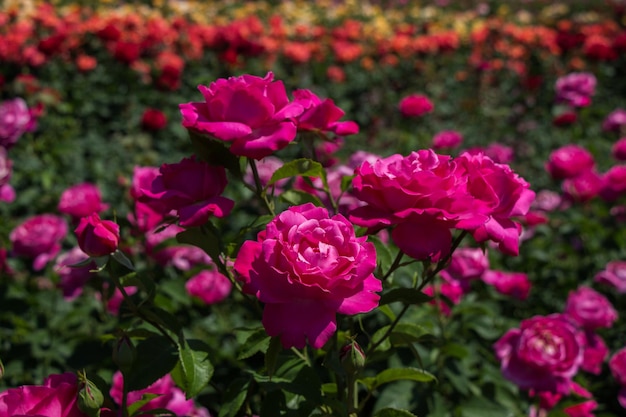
x=196 y=367
x=271 y=355
x=405 y=333
x=215 y=153
x=234 y=398
x=404 y=295
x=393 y=412
x=397 y=374
x=300 y=167
x=298 y=197
x=157 y=357
x=256 y=342
x=203 y=238
x=122 y=259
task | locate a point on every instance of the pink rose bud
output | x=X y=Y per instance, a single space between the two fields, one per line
x=614 y=183
x=352 y=358
x=415 y=105
x=97 y=237
x=569 y=161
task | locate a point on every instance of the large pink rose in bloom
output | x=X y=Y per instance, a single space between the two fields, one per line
x=614 y=274
x=322 y=115
x=569 y=161
x=576 y=89
x=425 y=192
x=170 y=397
x=307 y=267
x=617 y=365
x=57 y=396
x=15 y=120
x=590 y=309
x=501 y=194
x=39 y=237
x=543 y=354
x=192 y=188
x=252 y=113
x=81 y=200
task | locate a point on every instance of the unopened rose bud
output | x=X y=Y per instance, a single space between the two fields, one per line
x=97 y=237
x=352 y=358
x=124 y=354
x=90 y=399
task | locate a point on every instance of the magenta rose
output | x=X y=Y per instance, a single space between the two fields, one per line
x=447 y=139
x=57 y=396
x=618 y=150
x=252 y=113
x=615 y=121
x=614 y=183
x=6 y=166
x=596 y=352
x=161 y=245
x=499 y=153
x=209 y=286
x=614 y=274
x=576 y=89
x=72 y=279
x=142 y=179
x=450 y=289
x=192 y=188
x=97 y=237
x=322 y=115
x=169 y=397
x=569 y=161
x=617 y=365
x=501 y=194
x=39 y=237
x=81 y=200
x=584 y=409
x=467 y=264
x=590 y=309
x=415 y=105
x=583 y=187
x=543 y=354
x=15 y=120
x=153 y=120
x=513 y=284
x=307 y=267
x=266 y=168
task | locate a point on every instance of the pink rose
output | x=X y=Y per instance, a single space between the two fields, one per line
x=590 y=309
x=576 y=89
x=617 y=365
x=547 y=200
x=192 y=188
x=322 y=115
x=170 y=397
x=583 y=409
x=596 y=352
x=615 y=121
x=266 y=168
x=145 y=218
x=569 y=161
x=449 y=288
x=15 y=120
x=209 y=286
x=81 y=200
x=7 y=193
x=307 y=267
x=415 y=105
x=39 y=237
x=543 y=354
x=513 y=284
x=6 y=166
x=57 y=396
x=498 y=152
x=73 y=279
x=614 y=274
x=142 y=179
x=183 y=257
x=467 y=264
x=97 y=237
x=614 y=183
x=253 y=114
x=583 y=187
x=153 y=120
x=447 y=139
x=618 y=150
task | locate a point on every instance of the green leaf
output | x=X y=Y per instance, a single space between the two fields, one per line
x=393 y=412
x=300 y=167
x=406 y=333
x=256 y=342
x=157 y=357
x=196 y=367
x=298 y=197
x=234 y=397
x=145 y=399
x=160 y=316
x=404 y=295
x=397 y=374
x=203 y=238
x=123 y=260
x=271 y=355
x=215 y=153
x=384 y=257
x=346 y=182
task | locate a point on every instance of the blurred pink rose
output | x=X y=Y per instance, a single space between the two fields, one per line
x=543 y=354
x=415 y=105
x=153 y=120
x=590 y=309
x=39 y=237
x=15 y=120
x=266 y=125
x=547 y=200
x=617 y=365
x=81 y=200
x=97 y=237
x=615 y=121
x=170 y=397
x=576 y=89
x=583 y=409
x=73 y=279
x=467 y=264
x=115 y=300
x=321 y=115
x=449 y=288
x=7 y=193
x=161 y=245
x=192 y=188
x=57 y=396
x=6 y=166
x=513 y=284
x=266 y=168
x=569 y=161
x=566 y=118
x=596 y=352
x=307 y=267
x=499 y=153
x=614 y=183
x=142 y=179
x=618 y=150
x=583 y=187
x=144 y=217
x=209 y=286
x=614 y=274
x=447 y=139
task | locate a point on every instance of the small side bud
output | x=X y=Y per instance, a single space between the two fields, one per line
x=90 y=398
x=352 y=358
x=124 y=354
